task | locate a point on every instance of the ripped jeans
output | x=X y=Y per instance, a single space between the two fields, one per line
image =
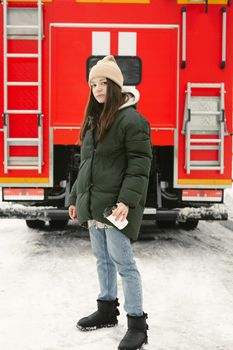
x=113 y=252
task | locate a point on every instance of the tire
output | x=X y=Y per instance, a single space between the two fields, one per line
x=35 y=224
x=189 y=224
x=57 y=224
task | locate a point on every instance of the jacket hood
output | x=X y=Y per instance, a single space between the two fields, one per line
x=132 y=96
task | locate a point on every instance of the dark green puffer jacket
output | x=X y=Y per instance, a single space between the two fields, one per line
x=115 y=170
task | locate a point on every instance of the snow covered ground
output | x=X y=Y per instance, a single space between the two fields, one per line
x=48 y=281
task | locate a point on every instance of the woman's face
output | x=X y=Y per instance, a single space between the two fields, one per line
x=99 y=89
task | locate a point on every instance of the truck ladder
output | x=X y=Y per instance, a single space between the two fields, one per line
x=19 y=162
x=204 y=127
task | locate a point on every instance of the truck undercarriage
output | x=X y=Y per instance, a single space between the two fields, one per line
x=164 y=203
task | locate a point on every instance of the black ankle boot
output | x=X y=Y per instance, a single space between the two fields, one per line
x=105 y=316
x=136 y=335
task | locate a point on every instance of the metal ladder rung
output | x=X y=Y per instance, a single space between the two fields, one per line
x=22 y=167
x=204 y=147
x=22 y=55
x=205 y=140
x=22 y=141
x=203 y=167
x=23 y=161
x=22 y=111
x=205 y=112
x=204 y=85
x=204 y=162
x=22 y=83
x=14 y=26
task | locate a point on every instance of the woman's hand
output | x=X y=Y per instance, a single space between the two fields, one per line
x=72 y=212
x=121 y=212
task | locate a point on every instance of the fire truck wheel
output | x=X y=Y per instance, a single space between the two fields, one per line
x=189 y=224
x=58 y=224
x=36 y=224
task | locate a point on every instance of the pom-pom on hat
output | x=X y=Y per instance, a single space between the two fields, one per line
x=108 y=68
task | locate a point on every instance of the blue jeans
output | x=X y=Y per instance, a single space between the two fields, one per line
x=113 y=252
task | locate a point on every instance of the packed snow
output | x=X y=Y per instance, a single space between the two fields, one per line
x=49 y=281
x=13 y=210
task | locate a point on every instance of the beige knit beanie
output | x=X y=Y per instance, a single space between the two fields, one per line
x=108 y=68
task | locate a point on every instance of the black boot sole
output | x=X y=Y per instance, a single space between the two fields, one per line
x=141 y=347
x=88 y=329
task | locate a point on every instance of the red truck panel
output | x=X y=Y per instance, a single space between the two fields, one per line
x=163 y=85
x=158 y=88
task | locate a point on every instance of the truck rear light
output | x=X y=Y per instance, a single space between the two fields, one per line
x=35 y=194
x=200 y=195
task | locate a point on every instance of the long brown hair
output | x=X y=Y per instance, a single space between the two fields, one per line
x=102 y=114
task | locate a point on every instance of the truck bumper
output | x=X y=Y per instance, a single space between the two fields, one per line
x=20 y=211
x=214 y=212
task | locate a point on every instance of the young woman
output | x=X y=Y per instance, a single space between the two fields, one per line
x=115 y=164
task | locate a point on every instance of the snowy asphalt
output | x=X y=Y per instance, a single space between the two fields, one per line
x=48 y=281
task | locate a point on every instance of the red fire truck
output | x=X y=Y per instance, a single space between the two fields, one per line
x=177 y=53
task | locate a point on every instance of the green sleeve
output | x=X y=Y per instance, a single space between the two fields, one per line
x=139 y=155
x=73 y=194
